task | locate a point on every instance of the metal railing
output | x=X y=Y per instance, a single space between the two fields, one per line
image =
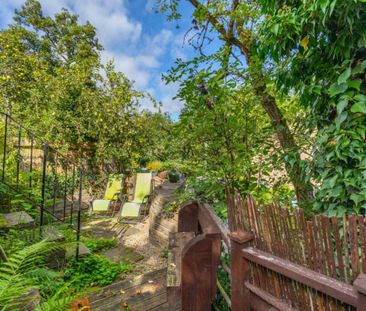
x=50 y=181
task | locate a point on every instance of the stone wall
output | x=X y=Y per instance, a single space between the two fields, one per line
x=160 y=226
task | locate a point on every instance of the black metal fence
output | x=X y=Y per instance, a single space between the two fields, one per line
x=49 y=181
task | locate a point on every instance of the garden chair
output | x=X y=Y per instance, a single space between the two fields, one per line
x=112 y=195
x=133 y=211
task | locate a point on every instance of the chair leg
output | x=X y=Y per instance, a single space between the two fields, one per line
x=113 y=207
x=90 y=209
x=119 y=217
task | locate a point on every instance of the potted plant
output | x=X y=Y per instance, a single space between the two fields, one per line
x=173 y=176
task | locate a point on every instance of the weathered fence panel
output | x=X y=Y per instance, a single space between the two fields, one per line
x=315 y=247
x=280 y=260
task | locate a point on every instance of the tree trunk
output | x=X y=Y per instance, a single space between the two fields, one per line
x=245 y=42
x=303 y=189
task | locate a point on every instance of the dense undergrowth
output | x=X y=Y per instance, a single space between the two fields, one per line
x=57 y=288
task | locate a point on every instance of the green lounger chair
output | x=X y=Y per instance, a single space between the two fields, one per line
x=112 y=194
x=133 y=209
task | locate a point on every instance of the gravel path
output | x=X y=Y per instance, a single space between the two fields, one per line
x=137 y=237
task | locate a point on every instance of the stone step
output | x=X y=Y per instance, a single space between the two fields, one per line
x=17 y=219
x=122 y=253
x=83 y=250
x=52 y=234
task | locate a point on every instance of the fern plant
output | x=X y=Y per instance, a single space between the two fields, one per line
x=18 y=275
x=59 y=301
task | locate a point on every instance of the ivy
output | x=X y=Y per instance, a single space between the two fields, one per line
x=319 y=52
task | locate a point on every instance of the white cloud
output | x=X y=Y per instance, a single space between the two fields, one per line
x=138 y=66
x=131 y=66
x=7 y=10
x=169 y=104
x=178 y=49
x=116 y=30
x=109 y=17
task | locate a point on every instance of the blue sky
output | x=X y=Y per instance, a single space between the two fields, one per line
x=142 y=43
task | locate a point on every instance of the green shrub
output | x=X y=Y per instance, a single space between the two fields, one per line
x=101 y=244
x=94 y=270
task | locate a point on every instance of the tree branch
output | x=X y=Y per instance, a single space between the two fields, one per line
x=221 y=29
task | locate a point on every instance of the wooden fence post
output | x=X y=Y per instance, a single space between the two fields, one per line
x=188 y=218
x=239 y=271
x=360 y=286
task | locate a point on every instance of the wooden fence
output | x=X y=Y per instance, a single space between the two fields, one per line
x=281 y=261
x=324 y=246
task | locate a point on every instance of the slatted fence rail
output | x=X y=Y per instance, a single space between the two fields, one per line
x=279 y=260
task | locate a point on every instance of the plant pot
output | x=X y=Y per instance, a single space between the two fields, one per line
x=173 y=177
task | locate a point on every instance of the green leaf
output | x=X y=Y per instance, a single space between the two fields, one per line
x=317 y=89
x=341 y=105
x=344 y=76
x=275 y=28
x=340 y=119
x=356 y=198
x=336 y=89
x=360 y=98
x=359 y=68
x=362 y=41
x=355 y=84
x=332 y=181
x=359 y=107
x=324 y=4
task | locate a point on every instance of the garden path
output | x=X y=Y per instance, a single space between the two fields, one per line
x=147 y=290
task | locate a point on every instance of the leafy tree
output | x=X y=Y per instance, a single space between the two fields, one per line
x=235 y=24
x=318 y=49
x=53 y=80
x=226 y=140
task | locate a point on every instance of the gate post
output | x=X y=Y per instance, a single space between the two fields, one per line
x=200 y=258
x=240 y=300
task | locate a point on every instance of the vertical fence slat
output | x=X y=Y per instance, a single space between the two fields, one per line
x=355 y=260
x=338 y=247
x=361 y=221
x=346 y=248
x=330 y=248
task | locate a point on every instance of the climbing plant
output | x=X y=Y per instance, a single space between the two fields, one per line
x=318 y=49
